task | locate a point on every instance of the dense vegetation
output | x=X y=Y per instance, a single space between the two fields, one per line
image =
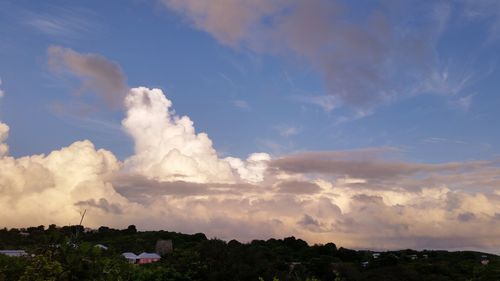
x=69 y=253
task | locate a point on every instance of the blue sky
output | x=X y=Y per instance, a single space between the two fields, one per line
x=371 y=123
x=244 y=99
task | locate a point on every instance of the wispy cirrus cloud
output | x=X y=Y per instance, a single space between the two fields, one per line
x=326 y=102
x=364 y=61
x=437 y=140
x=287 y=130
x=463 y=103
x=241 y=104
x=484 y=10
x=61 y=22
x=366 y=57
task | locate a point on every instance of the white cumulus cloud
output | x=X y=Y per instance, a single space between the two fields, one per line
x=4 y=133
x=167 y=147
x=42 y=189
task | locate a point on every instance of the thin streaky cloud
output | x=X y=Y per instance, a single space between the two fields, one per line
x=326 y=102
x=62 y=22
x=241 y=104
x=437 y=140
x=287 y=131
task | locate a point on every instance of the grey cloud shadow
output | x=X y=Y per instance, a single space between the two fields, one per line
x=102 y=204
x=298 y=187
x=366 y=165
x=140 y=189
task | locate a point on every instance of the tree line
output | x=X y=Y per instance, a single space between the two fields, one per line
x=69 y=253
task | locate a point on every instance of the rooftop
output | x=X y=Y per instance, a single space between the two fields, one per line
x=149 y=256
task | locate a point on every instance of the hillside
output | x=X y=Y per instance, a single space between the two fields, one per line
x=69 y=253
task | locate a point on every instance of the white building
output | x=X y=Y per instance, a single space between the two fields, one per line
x=148 y=258
x=101 y=246
x=131 y=257
x=14 y=253
x=484 y=260
x=142 y=258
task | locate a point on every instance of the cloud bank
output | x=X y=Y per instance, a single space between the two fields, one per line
x=367 y=198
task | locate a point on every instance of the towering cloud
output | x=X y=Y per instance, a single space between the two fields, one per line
x=253 y=169
x=167 y=147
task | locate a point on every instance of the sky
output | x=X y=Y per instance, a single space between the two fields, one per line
x=371 y=124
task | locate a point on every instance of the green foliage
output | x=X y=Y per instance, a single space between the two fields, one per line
x=11 y=268
x=42 y=268
x=68 y=253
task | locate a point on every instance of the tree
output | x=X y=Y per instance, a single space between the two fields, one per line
x=131 y=229
x=42 y=268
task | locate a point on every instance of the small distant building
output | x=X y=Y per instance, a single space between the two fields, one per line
x=164 y=247
x=14 y=253
x=484 y=260
x=425 y=256
x=376 y=255
x=394 y=256
x=148 y=258
x=131 y=257
x=336 y=266
x=143 y=258
x=24 y=234
x=293 y=264
x=413 y=257
x=101 y=246
x=89 y=230
x=365 y=264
